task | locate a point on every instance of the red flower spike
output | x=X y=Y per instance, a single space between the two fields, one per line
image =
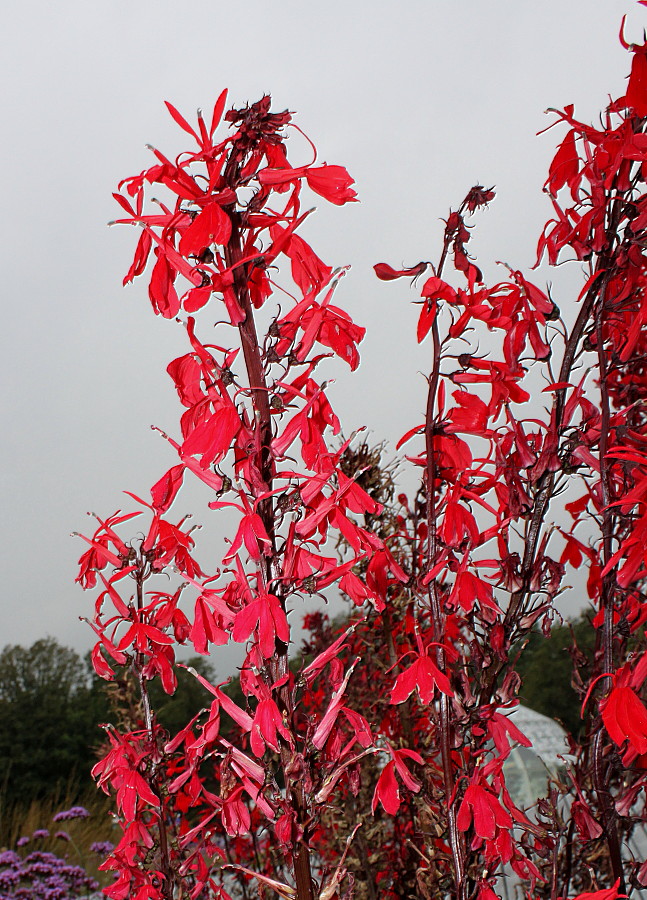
x=489 y=478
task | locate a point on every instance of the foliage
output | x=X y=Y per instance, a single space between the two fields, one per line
x=46 y=690
x=546 y=667
x=378 y=766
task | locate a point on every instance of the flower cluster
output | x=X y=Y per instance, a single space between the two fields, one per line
x=399 y=718
x=488 y=562
x=42 y=876
x=75 y=812
x=256 y=431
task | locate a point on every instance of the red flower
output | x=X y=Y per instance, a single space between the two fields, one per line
x=266 y=614
x=387 y=790
x=423 y=676
x=611 y=893
x=625 y=718
x=211 y=226
x=385 y=272
x=331 y=182
x=267 y=723
x=482 y=808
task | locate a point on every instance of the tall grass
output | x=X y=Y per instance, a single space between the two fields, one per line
x=18 y=820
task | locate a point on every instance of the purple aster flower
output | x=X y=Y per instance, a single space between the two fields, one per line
x=74 y=812
x=103 y=848
x=42 y=876
x=9 y=878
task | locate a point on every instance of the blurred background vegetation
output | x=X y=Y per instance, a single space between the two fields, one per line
x=52 y=705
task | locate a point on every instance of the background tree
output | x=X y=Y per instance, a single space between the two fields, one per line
x=49 y=713
x=546 y=669
x=52 y=704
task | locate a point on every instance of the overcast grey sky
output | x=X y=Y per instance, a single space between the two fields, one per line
x=419 y=99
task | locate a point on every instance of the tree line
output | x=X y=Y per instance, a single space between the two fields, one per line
x=52 y=706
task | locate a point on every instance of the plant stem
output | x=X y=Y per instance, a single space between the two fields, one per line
x=166 y=866
x=278 y=668
x=607 y=594
x=446 y=729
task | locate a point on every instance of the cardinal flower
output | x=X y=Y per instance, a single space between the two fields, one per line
x=625 y=718
x=387 y=789
x=423 y=676
x=481 y=808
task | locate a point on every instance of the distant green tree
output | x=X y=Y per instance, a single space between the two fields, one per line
x=49 y=711
x=546 y=669
x=51 y=708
